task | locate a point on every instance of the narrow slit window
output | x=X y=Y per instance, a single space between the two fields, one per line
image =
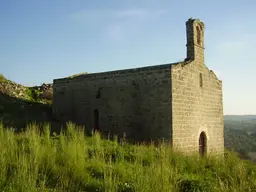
x=201 y=79
x=98 y=94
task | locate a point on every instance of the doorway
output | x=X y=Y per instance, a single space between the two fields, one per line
x=96 y=120
x=202 y=144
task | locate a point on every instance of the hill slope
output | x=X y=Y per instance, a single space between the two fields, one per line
x=20 y=105
x=240 y=134
x=39 y=94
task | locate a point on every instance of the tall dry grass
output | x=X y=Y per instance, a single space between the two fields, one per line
x=31 y=161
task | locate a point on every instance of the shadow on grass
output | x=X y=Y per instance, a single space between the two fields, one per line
x=18 y=113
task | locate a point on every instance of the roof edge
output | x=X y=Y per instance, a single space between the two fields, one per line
x=121 y=71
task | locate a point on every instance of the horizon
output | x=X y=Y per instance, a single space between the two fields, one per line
x=42 y=41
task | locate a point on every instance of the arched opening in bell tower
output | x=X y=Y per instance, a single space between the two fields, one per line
x=198 y=35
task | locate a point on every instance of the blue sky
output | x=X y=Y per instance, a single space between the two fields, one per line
x=44 y=40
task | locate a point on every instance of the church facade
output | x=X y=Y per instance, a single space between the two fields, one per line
x=179 y=102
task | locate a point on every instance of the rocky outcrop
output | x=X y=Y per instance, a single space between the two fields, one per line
x=21 y=105
x=43 y=93
x=13 y=89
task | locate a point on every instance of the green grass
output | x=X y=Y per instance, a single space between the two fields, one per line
x=33 y=94
x=31 y=161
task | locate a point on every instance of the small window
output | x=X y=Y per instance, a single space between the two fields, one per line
x=198 y=34
x=201 y=79
x=98 y=94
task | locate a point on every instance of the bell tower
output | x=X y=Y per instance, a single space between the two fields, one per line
x=195 y=40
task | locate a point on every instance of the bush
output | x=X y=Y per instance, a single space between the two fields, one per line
x=3 y=79
x=32 y=94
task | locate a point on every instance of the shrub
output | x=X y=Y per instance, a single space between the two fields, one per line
x=2 y=79
x=32 y=94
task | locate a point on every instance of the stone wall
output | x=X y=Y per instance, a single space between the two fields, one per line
x=196 y=98
x=136 y=102
x=197 y=109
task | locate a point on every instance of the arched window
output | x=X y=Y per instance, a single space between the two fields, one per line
x=198 y=35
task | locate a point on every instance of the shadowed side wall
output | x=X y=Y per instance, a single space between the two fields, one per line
x=197 y=107
x=136 y=102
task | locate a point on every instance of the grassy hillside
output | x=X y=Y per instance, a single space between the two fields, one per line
x=244 y=123
x=39 y=94
x=73 y=162
x=240 y=134
x=241 y=142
